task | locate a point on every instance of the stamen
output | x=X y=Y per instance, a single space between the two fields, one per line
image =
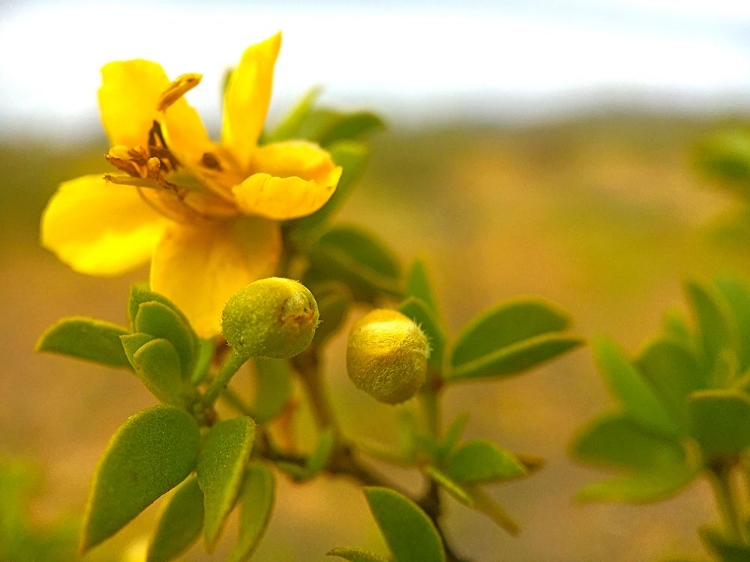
x=211 y=162
x=182 y=85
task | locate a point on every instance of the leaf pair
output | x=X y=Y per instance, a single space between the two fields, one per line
x=410 y=534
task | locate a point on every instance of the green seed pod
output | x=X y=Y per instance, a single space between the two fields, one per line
x=272 y=317
x=387 y=356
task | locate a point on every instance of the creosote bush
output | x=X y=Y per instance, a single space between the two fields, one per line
x=227 y=226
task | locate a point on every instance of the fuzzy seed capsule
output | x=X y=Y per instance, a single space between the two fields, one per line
x=272 y=317
x=387 y=356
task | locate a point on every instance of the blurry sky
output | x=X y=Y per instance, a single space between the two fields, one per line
x=413 y=60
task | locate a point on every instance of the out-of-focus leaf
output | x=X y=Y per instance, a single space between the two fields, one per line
x=334 y=300
x=676 y=328
x=273 y=388
x=421 y=314
x=161 y=321
x=290 y=126
x=221 y=466
x=86 y=338
x=737 y=295
x=516 y=358
x=355 y=554
x=452 y=435
x=616 y=440
x=326 y=126
x=257 y=495
x=480 y=460
x=410 y=534
x=627 y=383
x=726 y=156
x=353 y=157
x=356 y=258
x=448 y=484
x=726 y=549
x=715 y=329
x=418 y=285
x=720 y=421
x=180 y=523
x=673 y=373
x=641 y=487
x=149 y=455
x=157 y=365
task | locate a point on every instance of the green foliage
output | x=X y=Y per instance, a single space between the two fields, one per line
x=720 y=421
x=180 y=523
x=157 y=364
x=351 y=255
x=409 y=533
x=221 y=466
x=257 y=498
x=481 y=461
x=86 y=338
x=508 y=339
x=149 y=455
x=356 y=554
x=726 y=156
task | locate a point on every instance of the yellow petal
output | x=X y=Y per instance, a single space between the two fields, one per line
x=199 y=268
x=128 y=98
x=100 y=228
x=295 y=179
x=247 y=97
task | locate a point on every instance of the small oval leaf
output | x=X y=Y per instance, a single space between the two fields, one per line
x=149 y=455
x=161 y=321
x=720 y=421
x=180 y=523
x=86 y=338
x=480 y=460
x=505 y=324
x=257 y=496
x=410 y=534
x=157 y=364
x=221 y=465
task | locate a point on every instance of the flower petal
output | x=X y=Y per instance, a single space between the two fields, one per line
x=128 y=98
x=296 y=179
x=200 y=267
x=100 y=228
x=247 y=97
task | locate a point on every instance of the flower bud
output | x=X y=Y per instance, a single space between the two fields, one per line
x=387 y=356
x=272 y=317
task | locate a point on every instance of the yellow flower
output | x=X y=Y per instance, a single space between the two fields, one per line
x=205 y=213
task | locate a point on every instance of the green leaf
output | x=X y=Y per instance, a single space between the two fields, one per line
x=418 y=286
x=737 y=296
x=480 y=460
x=627 y=384
x=358 y=259
x=355 y=554
x=516 y=358
x=410 y=534
x=273 y=388
x=257 y=498
x=333 y=301
x=485 y=504
x=86 y=338
x=161 y=321
x=353 y=157
x=715 y=330
x=676 y=328
x=720 y=421
x=139 y=294
x=326 y=126
x=505 y=324
x=673 y=373
x=449 y=485
x=180 y=523
x=452 y=435
x=726 y=156
x=157 y=365
x=421 y=314
x=221 y=466
x=616 y=440
x=723 y=547
x=149 y=455
x=290 y=126
x=641 y=487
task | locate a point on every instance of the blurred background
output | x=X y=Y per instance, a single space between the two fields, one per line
x=538 y=147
